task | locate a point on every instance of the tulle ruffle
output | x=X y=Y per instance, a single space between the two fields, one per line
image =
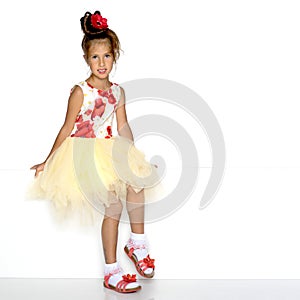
x=85 y=174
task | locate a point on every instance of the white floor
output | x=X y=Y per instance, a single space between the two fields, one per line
x=92 y=289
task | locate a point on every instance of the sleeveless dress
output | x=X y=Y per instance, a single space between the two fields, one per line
x=92 y=168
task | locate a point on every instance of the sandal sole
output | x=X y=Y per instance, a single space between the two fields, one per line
x=126 y=291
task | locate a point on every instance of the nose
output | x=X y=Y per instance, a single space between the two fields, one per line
x=101 y=61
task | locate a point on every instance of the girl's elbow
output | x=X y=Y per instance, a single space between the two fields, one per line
x=66 y=129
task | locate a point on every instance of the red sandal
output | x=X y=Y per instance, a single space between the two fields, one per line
x=121 y=285
x=143 y=264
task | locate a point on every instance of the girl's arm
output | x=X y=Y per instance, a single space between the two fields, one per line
x=74 y=105
x=122 y=124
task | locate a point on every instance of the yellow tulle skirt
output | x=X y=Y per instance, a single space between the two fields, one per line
x=86 y=174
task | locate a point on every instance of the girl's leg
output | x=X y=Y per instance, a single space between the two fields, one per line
x=109 y=231
x=113 y=273
x=136 y=247
x=135 y=208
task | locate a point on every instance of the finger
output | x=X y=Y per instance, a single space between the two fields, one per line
x=38 y=170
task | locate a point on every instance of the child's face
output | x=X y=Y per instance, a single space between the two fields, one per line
x=100 y=59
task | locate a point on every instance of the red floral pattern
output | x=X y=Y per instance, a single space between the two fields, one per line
x=84 y=129
x=88 y=112
x=109 y=132
x=109 y=95
x=98 y=108
x=96 y=114
x=112 y=99
x=79 y=119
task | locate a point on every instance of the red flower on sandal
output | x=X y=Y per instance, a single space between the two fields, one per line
x=129 y=278
x=149 y=262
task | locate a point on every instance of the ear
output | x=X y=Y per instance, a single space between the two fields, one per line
x=85 y=58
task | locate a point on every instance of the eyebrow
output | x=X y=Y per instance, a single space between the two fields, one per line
x=96 y=53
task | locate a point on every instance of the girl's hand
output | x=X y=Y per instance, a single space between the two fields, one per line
x=38 y=168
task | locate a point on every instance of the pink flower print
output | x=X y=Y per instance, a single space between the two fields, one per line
x=79 y=119
x=108 y=129
x=88 y=112
x=98 y=108
x=90 y=134
x=103 y=93
x=111 y=99
x=109 y=95
x=84 y=129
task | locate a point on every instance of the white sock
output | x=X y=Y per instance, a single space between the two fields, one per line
x=115 y=278
x=138 y=236
x=110 y=267
x=140 y=239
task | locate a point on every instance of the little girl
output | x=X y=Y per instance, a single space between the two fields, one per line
x=85 y=143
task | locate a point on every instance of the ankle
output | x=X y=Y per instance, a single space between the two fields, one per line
x=112 y=268
x=138 y=236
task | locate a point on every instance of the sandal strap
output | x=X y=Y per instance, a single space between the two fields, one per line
x=107 y=276
x=121 y=285
x=140 y=264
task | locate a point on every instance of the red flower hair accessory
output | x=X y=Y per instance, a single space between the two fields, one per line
x=98 y=21
x=93 y=24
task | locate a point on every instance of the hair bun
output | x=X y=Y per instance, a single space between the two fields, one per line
x=93 y=24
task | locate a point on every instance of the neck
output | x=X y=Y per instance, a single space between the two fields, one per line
x=101 y=84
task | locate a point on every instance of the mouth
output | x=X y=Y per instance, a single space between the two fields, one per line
x=101 y=71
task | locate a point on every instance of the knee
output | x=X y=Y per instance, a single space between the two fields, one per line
x=130 y=189
x=115 y=209
x=118 y=206
x=132 y=193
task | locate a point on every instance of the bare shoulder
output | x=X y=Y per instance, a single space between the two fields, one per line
x=74 y=106
x=120 y=109
x=76 y=96
x=77 y=91
x=122 y=98
x=121 y=102
x=122 y=91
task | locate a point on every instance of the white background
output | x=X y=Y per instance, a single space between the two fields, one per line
x=241 y=57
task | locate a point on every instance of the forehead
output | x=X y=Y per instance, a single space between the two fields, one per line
x=100 y=46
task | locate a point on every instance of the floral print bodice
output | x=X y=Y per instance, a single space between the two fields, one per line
x=97 y=111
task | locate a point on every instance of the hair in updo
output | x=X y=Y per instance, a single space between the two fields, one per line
x=95 y=28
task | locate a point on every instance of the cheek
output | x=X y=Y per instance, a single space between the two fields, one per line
x=93 y=64
x=111 y=62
